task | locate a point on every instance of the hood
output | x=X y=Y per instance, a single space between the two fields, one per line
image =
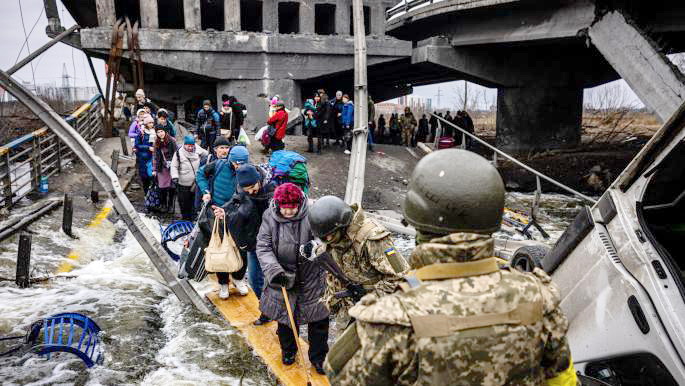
x=453 y=248
x=302 y=214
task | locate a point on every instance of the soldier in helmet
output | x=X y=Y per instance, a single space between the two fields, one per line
x=458 y=318
x=359 y=248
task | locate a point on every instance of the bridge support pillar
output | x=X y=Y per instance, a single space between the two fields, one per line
x=538 y=118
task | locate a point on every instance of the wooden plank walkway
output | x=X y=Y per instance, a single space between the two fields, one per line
x=240 y=312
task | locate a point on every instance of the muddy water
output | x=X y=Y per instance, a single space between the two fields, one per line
x=149 y=337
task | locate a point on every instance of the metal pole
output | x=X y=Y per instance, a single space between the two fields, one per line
x=23 y=276
x=39 y=51
x=7 y=182
x=92 y=71
x=159 y=258
x=68 y=215
x=355 y=176
x=517 y=162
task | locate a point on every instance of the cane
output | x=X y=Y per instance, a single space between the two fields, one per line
x=297 y=340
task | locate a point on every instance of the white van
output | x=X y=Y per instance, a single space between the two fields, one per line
x=619 y=267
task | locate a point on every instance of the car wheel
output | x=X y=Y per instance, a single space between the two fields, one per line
x=529 y=257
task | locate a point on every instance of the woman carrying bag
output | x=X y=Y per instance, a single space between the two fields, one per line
x=284 y=228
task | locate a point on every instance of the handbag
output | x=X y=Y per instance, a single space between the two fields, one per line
x=152 y=199
x=222 y=255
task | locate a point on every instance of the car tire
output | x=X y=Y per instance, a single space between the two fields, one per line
x=529 y=257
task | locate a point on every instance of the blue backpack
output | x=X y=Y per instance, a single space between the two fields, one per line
x=282 y=163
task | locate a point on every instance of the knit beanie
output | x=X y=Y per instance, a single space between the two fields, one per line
x=221 y=141
x=288 y=196
x=239 y=154
x=247 y=175
x=207 y=102
x=188 y=140
x=148 y=119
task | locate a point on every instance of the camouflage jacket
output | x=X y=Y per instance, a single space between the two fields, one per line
x=491 y=327
x=408 y=122
x=365 y=254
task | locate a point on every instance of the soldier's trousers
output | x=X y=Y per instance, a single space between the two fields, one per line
x=406 y=137
x=317 y=333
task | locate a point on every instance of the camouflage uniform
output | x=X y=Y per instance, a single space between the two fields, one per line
x=408 y=124
x=363 y=254
x=487 y=327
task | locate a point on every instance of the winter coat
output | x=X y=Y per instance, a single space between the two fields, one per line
x=245 y=213
x=218 y=179
x=311 y=126
x=143 y=148
x=278 y=244
x=185 y=165
x=423 y=128
x=232 y=121
x=134 y=129
x=280 y=121
x=153 y=106
x=207 y=121
x=161 y=161
x=325 y=118
x=337 y=106
x=348 y=114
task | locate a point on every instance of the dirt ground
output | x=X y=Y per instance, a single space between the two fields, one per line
x=387 y=171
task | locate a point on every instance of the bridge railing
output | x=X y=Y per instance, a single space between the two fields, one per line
x=26 y=159
x=497 y=152
x=407 y=6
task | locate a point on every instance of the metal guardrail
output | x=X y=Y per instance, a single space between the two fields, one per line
x=41 y=154
x=497 y=151
x=408 y=5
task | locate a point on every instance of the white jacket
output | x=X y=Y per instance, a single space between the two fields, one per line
x=184 y=165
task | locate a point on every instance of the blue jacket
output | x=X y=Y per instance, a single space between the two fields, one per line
x=218 y=179
x=348 y=114
x=143 y=148
x=209 y=119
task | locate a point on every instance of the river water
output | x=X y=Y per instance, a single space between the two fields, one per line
x=149 y=337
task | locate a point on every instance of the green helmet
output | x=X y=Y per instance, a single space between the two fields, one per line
x=328 y=214
x=454 y=191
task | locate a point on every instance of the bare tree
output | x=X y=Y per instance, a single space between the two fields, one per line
x=610 y=109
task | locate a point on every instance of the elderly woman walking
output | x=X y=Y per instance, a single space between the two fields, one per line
x=165 y=147
x=284 y=228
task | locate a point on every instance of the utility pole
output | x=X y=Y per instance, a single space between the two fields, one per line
x=355 y=176
x=439 y=94
x=466 y=94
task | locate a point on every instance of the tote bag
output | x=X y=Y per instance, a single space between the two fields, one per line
x=222 y=255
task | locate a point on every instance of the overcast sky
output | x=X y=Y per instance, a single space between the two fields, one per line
x=49 y=67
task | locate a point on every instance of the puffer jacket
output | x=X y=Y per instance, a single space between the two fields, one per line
x=278 y=244
x=218 y=179
x=348 y=114
x=184 y=165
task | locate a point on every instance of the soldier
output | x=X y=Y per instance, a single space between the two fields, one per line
x=358 y=248
x=458 y=319
x=408 y=124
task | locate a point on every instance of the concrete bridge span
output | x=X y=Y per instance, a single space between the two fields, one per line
x=194 y=49
x=541 y=54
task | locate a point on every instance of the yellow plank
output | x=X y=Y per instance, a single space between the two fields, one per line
x=241 y=311
x=74 y=255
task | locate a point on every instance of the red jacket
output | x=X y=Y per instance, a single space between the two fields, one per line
x=280 y=122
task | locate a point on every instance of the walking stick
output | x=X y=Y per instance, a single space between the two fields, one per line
x=297 y=340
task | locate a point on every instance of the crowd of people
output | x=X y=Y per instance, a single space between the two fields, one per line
x=449 y=312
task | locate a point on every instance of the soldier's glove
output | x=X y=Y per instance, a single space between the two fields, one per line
x=357 y=291
x=308 y=251
x=285 y=279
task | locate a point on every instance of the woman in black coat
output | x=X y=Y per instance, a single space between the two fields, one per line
x=284 y=228
x=325 y=120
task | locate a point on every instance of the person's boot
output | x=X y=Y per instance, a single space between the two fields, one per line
x=318 y=366
x=288 y=358
x=262 y=320
x=223 y=292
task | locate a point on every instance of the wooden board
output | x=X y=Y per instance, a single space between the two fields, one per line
x=241 y=311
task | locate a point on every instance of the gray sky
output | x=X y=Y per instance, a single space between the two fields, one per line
x=49 y=66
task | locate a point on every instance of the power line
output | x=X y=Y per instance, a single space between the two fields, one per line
x=30 y=32
x=26 y=38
